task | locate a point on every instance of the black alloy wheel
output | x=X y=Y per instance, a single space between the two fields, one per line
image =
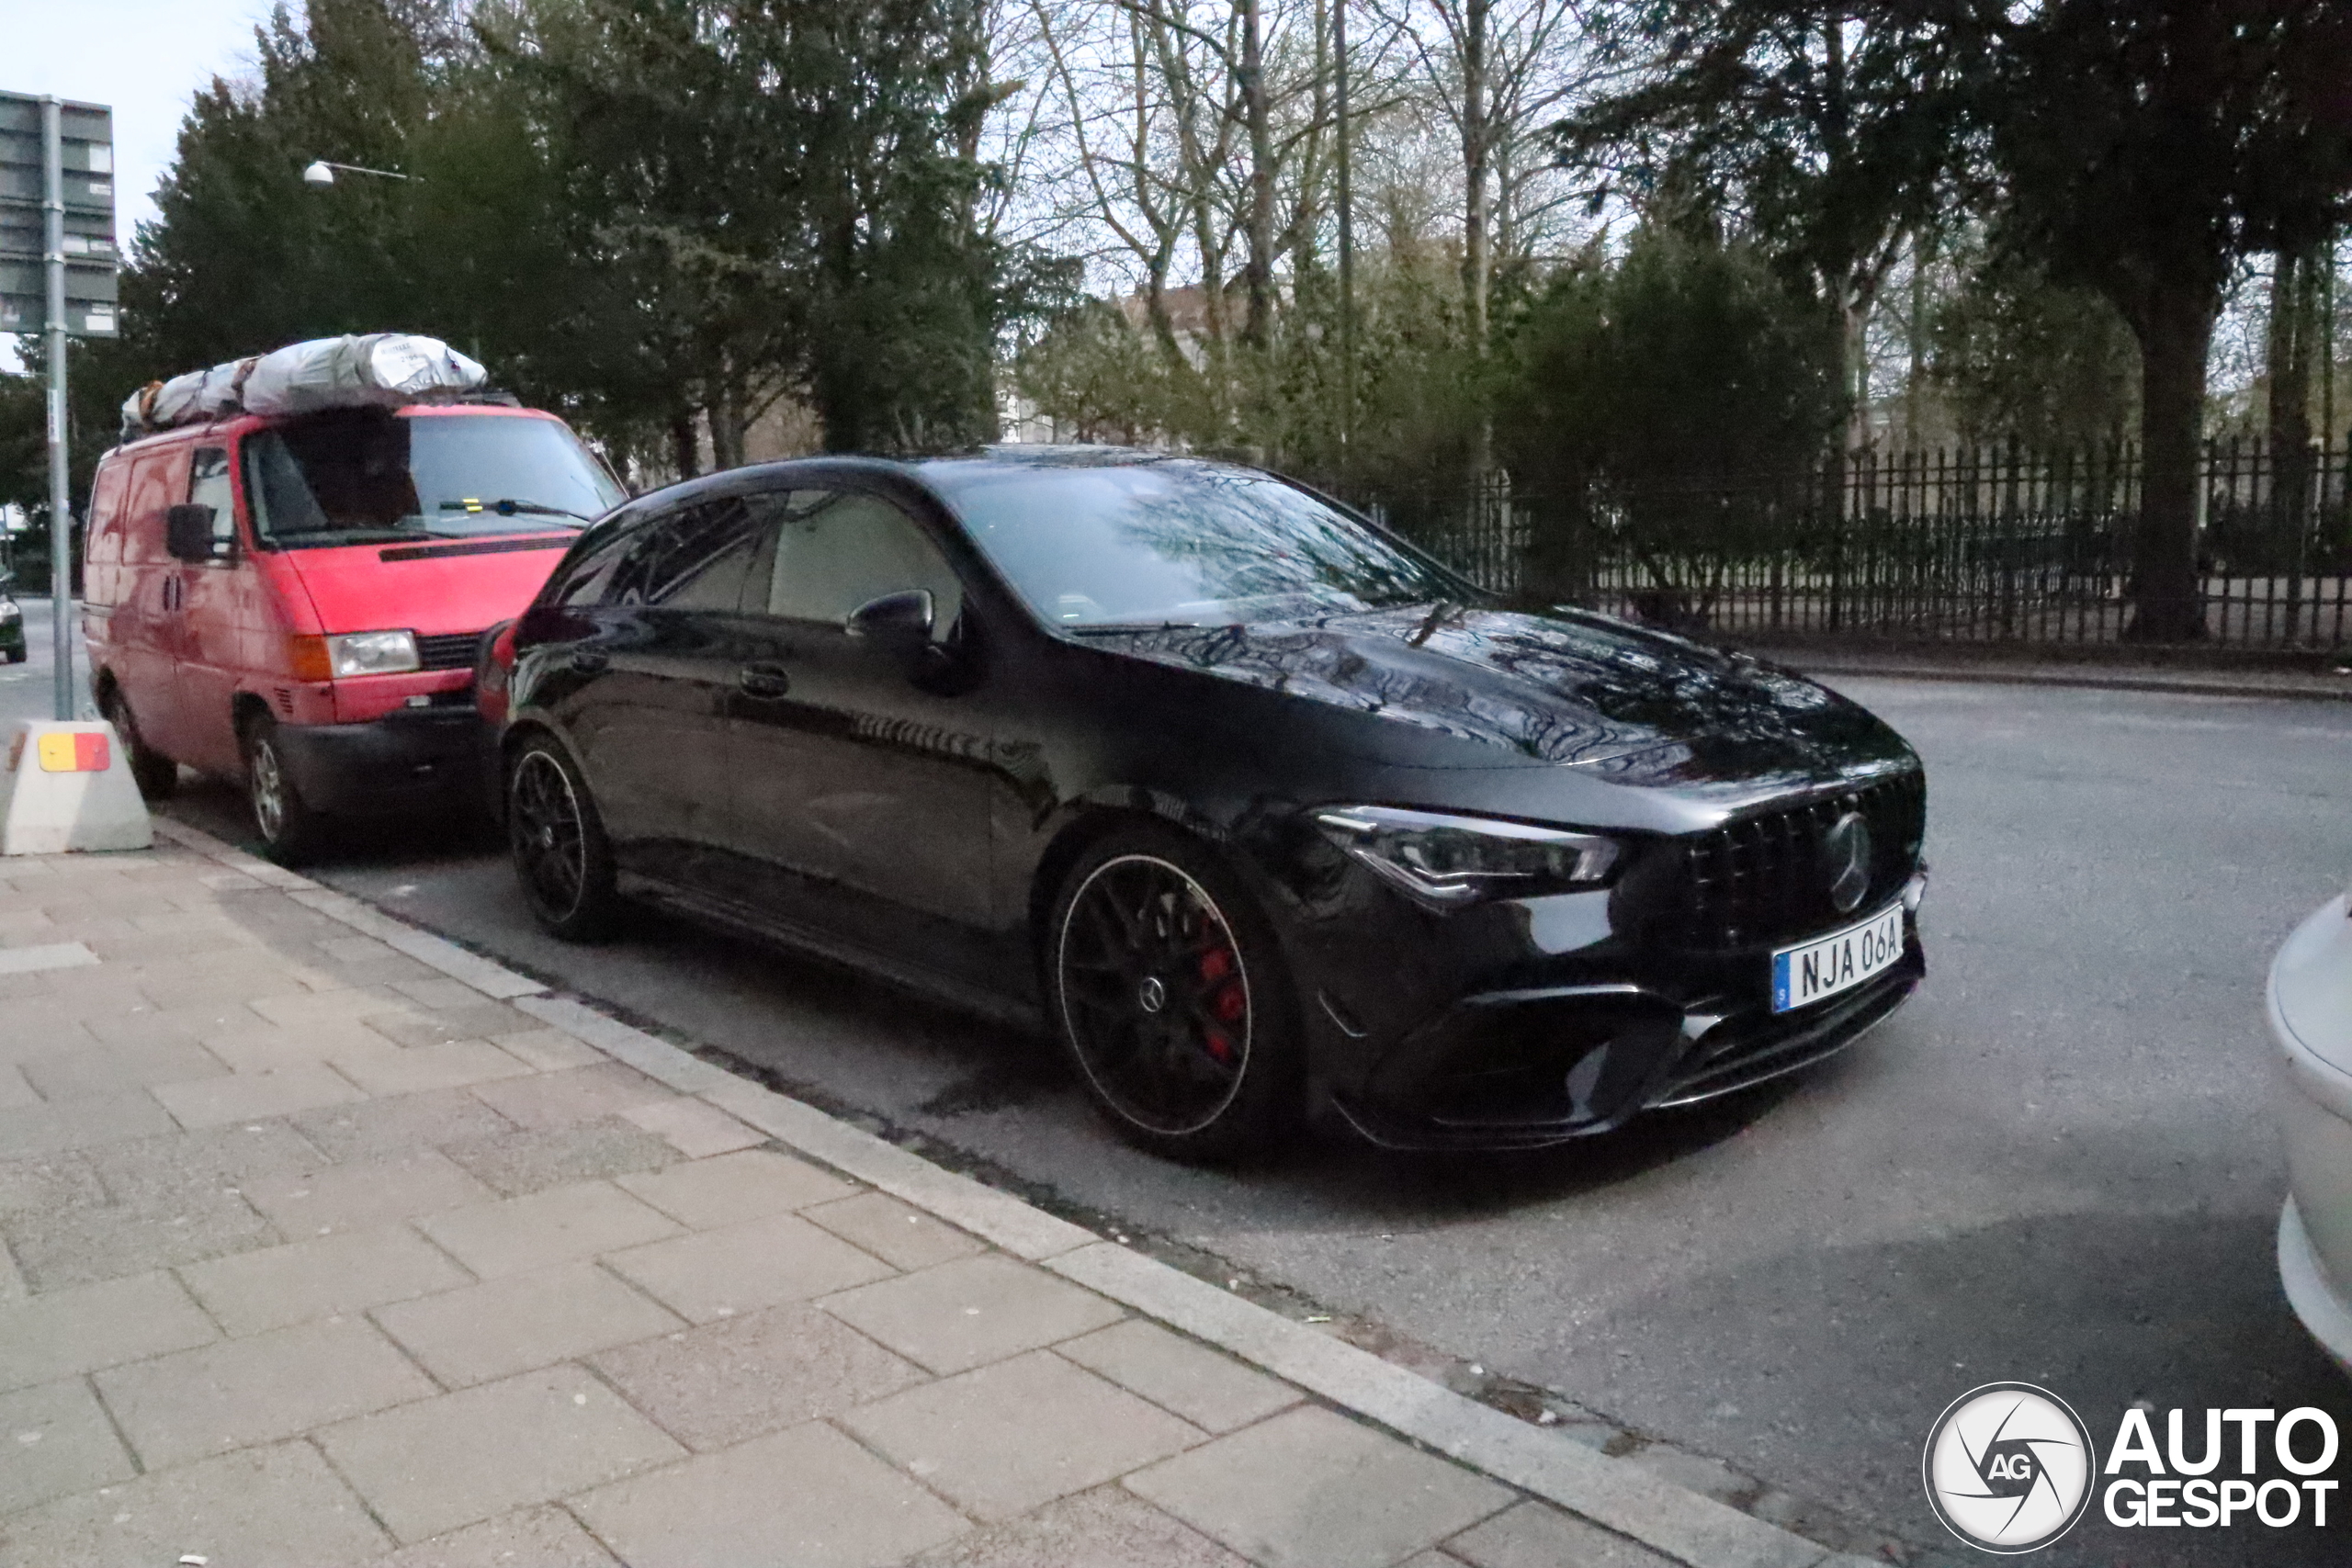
x=558 y=841
x=291 y=831
x=157 y=776
x=1169 y=998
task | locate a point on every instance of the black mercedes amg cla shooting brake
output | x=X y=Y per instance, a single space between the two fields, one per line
x=1261 y=809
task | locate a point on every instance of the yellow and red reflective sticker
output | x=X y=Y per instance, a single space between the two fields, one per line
x=80 y=751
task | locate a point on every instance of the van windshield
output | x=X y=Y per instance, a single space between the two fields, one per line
x=365 y=476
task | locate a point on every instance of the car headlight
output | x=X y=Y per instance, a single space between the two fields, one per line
x=372 y=653
x=1452 y=861
x=9 y=610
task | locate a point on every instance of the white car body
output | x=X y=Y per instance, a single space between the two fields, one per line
x=2308 y=1003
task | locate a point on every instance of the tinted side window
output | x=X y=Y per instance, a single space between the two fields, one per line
x=208 y=486
x=586 y=578
x=694 y=559
x=837 y=550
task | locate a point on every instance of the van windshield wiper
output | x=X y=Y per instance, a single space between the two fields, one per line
x=508 y=508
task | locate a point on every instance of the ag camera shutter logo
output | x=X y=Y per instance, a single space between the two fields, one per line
x=2008 y=1468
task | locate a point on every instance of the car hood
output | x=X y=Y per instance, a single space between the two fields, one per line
x=1567 y=688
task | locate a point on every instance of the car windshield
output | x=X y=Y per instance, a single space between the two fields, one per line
x=1178 y=542
x=372 y=476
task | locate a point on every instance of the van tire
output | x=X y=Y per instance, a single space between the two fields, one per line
x=291 y=833
x=157 y=776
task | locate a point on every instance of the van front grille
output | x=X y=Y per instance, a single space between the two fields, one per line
x=448 y=650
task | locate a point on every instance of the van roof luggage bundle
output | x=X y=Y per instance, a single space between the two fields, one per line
x=386 y=370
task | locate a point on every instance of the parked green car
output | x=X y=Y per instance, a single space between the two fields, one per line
x=12 y=623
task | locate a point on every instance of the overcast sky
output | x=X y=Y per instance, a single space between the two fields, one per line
x=144 y=59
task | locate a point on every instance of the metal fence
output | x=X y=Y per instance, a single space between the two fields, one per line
x=1986 y=544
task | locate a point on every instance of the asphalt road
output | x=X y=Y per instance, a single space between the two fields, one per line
x=2056 y=1165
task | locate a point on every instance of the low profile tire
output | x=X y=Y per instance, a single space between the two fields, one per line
x=1170 y=995
x=291 y=833
x=158 y=776
x=557 y=839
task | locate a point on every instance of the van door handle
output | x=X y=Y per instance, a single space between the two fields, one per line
x=589 y=661
x=764 y=681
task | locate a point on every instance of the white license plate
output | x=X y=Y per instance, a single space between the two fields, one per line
x=1822 y=968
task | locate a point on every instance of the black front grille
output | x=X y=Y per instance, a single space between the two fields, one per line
x=1760 y=879
x=449 y=650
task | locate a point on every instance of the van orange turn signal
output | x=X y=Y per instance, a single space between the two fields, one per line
x=310 y=658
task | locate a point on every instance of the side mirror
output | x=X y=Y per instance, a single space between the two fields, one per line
x=901 y=620
x=188 y=532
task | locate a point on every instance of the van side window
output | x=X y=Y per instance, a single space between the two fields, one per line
x=208 y=485
x=158 y=482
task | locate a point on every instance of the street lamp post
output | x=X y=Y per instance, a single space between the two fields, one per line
x=321 y=172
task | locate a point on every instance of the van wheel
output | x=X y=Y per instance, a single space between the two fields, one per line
x=561 y=858
x=291 y=831
x=1170 y=995
x=157 y=775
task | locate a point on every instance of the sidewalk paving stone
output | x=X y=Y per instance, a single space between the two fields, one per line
x=1210 y=1390
x=81 y=1123
x=718 y=1273
x=272 y=1386
x=411 y=1070
x=54 y=1441
x=493 y=1330
x=430 y=1467
x=549 y=1050
x=1309 y=1489
x=317 y=1198
x=539 y=1537
x=61 y=1332
x=401 y=1125
x=808 y=1496
x=729 y=1380
x=280 y=1286
x=696 y=1128
x=529 y=1160
x=967 y=1314
x=256 y=1048
x=219 y=1157
x=730 y=1188
x=515 y=1236
x=61 y=1248
x=50 y=1181
x=901 y=1235
x=477 y=1019
x=1009 y=1437
x=1106 y=1526
x=1536 y=1535
x=251 y=1097
x=102 y=1071
x=273 y=1507
x=555 y=1100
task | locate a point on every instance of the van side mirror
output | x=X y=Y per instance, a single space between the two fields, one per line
x=188 y=532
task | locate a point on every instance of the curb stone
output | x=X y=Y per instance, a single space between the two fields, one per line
x=1692 y=1529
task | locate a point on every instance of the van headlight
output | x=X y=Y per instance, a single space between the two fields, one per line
x=372 y=653
x=1450 y=861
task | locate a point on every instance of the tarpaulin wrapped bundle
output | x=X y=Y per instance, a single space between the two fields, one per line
x=377 y=370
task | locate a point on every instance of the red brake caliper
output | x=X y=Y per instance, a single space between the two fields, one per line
x=1227 y=1002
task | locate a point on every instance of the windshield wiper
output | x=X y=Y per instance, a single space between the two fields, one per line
x=1107 y=629
x=1439 y=613
x=508 y=508
x=359 y=536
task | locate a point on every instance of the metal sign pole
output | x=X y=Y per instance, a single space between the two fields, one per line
x=61 y=520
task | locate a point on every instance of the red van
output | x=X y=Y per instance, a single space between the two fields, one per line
x=295 y=601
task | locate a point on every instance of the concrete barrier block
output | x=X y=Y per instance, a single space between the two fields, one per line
x=68 y=787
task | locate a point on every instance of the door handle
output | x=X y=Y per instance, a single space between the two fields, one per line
x=589 y=661
x=764 y=681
